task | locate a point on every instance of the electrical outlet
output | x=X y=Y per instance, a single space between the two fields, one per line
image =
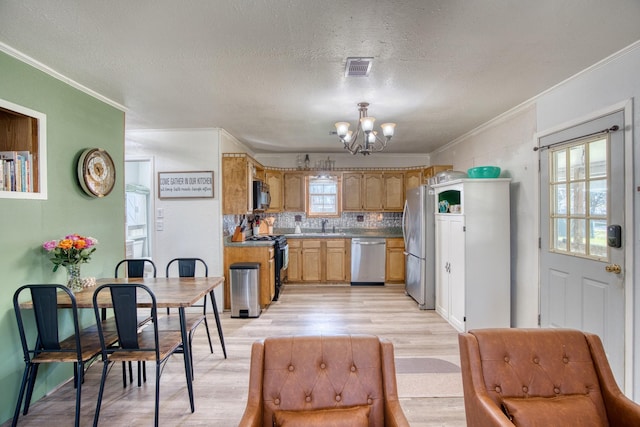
x=298 y=218
x=159 y=225
x=360 y=218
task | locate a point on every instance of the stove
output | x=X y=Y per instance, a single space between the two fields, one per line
x=281 y=256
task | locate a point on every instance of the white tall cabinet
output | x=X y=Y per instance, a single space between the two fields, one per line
x=473 y=274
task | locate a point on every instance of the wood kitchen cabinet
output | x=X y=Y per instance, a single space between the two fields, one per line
x=412 y=179
x=274 y=180
x=294 y=191
x=336 y=260
x=294 y=270
x=261 y=254
x=375 y=191
x=319 y=260
x=312 y=260
x=352 y=192
x=238 y=173
x=473 y=279
x=395 y=261
x=372 y=191
x=393 y=190
x=433 y=170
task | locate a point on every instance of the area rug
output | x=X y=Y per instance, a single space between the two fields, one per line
x=428 y=377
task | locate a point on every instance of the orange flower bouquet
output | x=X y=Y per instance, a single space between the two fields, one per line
x=70 y=252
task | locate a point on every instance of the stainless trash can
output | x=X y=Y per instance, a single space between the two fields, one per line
x=245 y=289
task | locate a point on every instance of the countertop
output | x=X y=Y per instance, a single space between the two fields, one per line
x=348 y=233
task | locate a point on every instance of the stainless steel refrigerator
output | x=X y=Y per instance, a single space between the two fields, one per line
x=418 y=229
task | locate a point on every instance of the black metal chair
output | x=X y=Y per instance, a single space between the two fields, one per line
x=44 y=344
x=134 y=267
x=186 y=267
x=149 y=344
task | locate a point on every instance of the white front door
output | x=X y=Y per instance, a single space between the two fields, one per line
x=581 y=203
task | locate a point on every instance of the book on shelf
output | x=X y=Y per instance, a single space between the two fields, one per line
x=17 y=171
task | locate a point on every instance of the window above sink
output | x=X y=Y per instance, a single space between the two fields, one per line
x=323 y=196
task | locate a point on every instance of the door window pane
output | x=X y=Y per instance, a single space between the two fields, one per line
x=578 y=202
x=598 y=198
x=598 y=238
x=559 y=201
x=576 y=164
x=559 y=168
x=560 y=234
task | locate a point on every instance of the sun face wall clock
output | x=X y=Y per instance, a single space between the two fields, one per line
x=96 y=172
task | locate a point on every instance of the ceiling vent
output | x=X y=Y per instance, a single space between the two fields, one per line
x=358 y=67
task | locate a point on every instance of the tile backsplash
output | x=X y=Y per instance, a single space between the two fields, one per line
x=348 y=220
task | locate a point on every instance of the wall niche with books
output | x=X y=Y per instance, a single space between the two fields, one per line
x=22 y=152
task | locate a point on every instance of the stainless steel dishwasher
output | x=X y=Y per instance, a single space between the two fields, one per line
x=368 y=260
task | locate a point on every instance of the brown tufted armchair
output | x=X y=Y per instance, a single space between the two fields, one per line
x=540 y=377
x=345 y=380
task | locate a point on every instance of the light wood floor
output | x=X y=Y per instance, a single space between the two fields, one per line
x=426 y=351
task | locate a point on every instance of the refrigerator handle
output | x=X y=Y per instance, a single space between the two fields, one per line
x=404 y=223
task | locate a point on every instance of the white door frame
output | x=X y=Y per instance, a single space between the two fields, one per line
x=626 y=108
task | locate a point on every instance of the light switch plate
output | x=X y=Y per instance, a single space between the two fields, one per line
x=160 y=213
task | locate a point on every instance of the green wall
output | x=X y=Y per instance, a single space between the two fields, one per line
x=75 y=121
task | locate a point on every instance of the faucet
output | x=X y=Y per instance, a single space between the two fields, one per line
x=324 y=225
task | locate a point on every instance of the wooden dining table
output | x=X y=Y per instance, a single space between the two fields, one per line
x=172 y=292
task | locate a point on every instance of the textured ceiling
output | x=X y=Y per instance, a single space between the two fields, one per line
x=272 y=72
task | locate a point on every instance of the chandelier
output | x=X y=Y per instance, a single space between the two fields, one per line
x=364 y=140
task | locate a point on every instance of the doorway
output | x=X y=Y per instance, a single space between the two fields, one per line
x=139 y=206
x=582 y=264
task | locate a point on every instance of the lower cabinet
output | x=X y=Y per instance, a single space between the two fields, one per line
x=318 y=260
x=294 y=270
x=261 y=254
x=395 y=262
x=336 y=261
x=312 y=261
x=450 y=272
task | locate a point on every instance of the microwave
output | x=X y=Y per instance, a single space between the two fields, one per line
x=261 y=196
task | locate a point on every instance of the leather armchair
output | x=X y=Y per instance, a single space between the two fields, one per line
x=319 y=377
x=540 y=377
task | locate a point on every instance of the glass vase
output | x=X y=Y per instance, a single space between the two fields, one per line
x=74 y=281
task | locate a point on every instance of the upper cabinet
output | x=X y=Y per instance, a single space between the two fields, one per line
x=294 y=191
x=433 y=170
x=373 y=191
x=274 y=180
x=394 y=191
x=22 y=152
x=356 y=191
x=352 y=191
x=412 y=178
x=238 y=173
